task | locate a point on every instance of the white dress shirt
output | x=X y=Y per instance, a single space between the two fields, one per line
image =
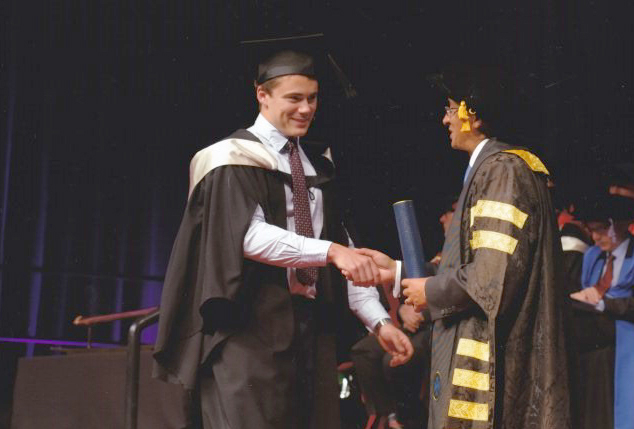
x=476 y=152
x=272 y=245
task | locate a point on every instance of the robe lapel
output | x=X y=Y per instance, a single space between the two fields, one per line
x=628 y=263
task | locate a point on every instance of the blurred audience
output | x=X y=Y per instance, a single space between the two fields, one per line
x=605 y=334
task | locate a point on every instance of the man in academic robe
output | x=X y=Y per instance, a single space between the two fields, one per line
x=606 y=340
x=498 y=344
x=253 y=296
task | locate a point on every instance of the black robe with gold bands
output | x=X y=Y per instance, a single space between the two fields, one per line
x=499 y=355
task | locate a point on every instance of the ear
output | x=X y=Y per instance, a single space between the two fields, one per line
x=261 y=95
x=477 y=123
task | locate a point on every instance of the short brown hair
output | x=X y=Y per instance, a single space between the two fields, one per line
x=269 y=85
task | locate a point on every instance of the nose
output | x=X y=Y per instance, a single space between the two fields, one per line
x=445 y=119
x=305 y=107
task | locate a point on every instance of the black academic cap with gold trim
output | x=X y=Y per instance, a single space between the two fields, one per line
x=486 y=90
x=306 y=55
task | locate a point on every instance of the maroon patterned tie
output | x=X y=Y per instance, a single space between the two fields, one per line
x=301 y=208
x=606 y=280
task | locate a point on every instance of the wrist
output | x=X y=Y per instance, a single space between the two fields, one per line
x=381 y=323
x=333 y=250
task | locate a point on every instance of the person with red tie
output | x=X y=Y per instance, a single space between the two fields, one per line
x=606 y=339
x=253 y=297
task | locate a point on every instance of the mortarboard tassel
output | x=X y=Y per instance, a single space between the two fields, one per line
x=464 y=116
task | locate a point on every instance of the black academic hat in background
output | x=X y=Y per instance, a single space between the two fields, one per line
x=569 y=187
x=622 y=174
x=307 y=55
x=448 y=203
x=600 y=207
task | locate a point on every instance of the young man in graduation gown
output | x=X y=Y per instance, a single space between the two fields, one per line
x=606 y=343
x=253 y=295
x=498 y=345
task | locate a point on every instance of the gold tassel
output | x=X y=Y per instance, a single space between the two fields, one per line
x=464 y=117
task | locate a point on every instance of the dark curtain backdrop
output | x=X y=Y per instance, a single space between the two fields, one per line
x=105 y=101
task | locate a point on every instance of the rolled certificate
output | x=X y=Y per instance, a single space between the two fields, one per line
x=409 y=236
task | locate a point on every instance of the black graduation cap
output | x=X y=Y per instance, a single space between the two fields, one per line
x=570 y=186
x=307 y=55
x=487 y=91
x=604 y=206
x=622 y=174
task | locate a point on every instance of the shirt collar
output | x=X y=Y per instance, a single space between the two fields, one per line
x=619 y=252
x=272 y=137
x=476 y=152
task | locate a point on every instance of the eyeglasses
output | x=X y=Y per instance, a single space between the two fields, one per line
x=450 y=111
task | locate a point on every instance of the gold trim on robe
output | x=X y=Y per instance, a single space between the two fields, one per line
x=468 y=410
x=473 y=348
x=533 y=162
x=471 y=379
x=498 y=210
x=493 y=240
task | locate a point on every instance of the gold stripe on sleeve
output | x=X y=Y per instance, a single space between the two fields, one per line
x=493 y=240
x=473 y=348
x=468 y=410
x=470 y=379
x=533 y=162
x=497 y=210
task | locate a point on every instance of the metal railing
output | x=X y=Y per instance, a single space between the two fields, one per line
x=144 y=318
x=132 y=369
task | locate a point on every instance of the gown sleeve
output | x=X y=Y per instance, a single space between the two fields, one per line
x=502 y=217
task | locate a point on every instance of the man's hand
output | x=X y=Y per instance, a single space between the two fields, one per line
x=589 y=295
x=387 y=265
x=410 y=317
x=414 y=290
x=356 y=267
x=396 y=344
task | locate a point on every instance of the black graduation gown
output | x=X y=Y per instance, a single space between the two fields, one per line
x=498 y=349
x=233 y=317
x=595 y=337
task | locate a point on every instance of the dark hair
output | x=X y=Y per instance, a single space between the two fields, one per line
x=269 y=85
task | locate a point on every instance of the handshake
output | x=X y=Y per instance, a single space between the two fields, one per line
x=367 y=267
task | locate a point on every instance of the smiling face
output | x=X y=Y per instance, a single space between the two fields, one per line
x=290 y=105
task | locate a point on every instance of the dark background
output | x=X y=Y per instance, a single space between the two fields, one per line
x=105 y=101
